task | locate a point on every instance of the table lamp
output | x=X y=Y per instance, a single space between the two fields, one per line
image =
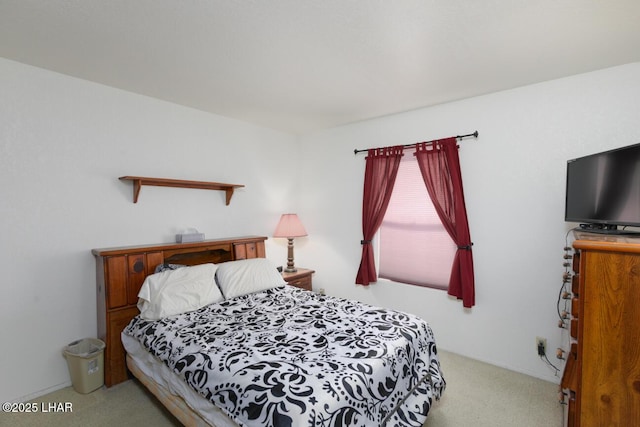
x=290 y=227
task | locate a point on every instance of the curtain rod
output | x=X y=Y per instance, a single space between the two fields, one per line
x=460 y=137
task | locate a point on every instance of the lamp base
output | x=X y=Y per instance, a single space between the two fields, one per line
x=290 y=265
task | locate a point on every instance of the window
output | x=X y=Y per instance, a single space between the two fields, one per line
x=414 y=246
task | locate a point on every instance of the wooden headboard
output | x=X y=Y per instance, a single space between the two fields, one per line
x=121 y=271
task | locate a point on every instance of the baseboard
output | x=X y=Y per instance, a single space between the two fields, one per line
x=37 y=394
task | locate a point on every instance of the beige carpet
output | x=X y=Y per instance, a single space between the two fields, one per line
x=477 y=394
x=482 y=395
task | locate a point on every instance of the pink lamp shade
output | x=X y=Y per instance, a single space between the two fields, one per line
x=290 y=226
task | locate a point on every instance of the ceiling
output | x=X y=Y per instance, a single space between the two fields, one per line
x=304 y=65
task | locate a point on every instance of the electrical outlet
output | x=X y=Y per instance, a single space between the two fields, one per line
x=541 y=346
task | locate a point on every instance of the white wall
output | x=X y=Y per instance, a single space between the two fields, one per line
x=514 y=177
x=63 y=144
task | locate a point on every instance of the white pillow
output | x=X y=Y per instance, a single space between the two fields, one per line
x=178 y=291
x=246 y=276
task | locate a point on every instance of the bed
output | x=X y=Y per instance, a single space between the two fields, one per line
x=245 y=349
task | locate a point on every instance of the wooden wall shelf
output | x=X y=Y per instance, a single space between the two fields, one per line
x=139 y=181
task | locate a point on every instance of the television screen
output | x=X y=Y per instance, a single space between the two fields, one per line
x=603 y=189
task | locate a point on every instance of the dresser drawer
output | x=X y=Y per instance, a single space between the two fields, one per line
x=300 y=279
x=302 y=283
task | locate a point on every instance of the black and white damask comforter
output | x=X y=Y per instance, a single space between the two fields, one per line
x=288 y=357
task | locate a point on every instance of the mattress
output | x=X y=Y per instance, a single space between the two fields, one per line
x=181 y=400
x=286 y=356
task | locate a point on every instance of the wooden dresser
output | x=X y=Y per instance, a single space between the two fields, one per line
x=120 y=273
x=602 y=374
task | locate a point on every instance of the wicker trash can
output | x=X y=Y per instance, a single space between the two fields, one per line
x=85 y=359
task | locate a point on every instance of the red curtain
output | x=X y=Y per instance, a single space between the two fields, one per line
x=440 y=168
x=379 y=176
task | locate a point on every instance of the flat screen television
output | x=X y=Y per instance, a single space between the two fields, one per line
x=603 y=190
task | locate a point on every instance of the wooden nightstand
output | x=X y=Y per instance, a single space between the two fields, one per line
x=300 y=279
